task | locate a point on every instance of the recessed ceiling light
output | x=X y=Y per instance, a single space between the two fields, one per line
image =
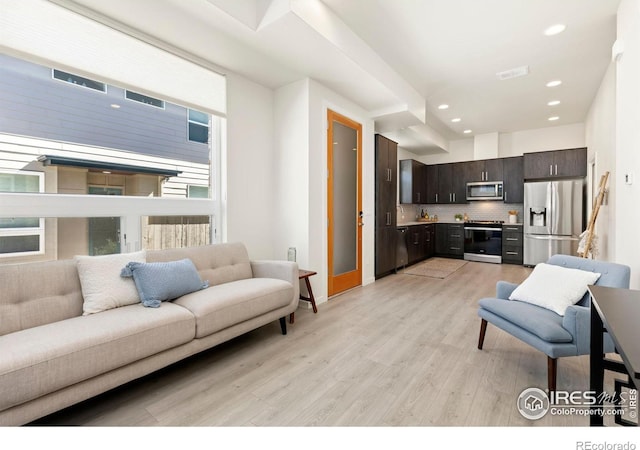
x=553 y=103
x=467 y=131
x=552 y=118
x=115 y=106
x=555 y=29
x=457 y=119
x=554 y=83
x=443 y=106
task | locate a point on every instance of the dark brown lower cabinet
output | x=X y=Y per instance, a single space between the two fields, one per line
x=386 y=246
x=512 y=244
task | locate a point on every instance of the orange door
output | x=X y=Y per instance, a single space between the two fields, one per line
x=344 y=141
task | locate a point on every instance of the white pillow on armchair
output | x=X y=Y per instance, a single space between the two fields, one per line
x=554 y=287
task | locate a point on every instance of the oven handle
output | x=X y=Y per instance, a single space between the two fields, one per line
x=482 y=229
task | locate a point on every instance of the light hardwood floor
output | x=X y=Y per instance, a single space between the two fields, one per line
x=399 y=352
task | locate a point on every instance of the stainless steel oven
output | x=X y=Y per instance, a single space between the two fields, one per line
x=483 y=241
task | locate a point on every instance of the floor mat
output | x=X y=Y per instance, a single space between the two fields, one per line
x=435 y=267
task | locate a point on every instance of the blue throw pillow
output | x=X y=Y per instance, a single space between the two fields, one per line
x=161 y=281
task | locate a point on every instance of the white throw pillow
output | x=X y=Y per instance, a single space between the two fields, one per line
x=554 y=287
x=102 y=286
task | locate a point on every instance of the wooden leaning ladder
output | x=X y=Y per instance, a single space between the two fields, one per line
x=594 y=215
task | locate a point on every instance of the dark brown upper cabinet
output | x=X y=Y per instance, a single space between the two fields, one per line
x=483 y=170
x=412 y=186
x=451 y=183
x=569 y=163
x=431 y=183
x=513 y=178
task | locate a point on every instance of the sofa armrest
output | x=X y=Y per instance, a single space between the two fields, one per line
x=504 y=289
x=577 y=321
x=282 y=270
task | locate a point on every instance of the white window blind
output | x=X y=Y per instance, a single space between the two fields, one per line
x=52 y=35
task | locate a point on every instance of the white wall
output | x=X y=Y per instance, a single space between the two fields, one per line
x=291 y=161
x=600 y=132
x=627 y=213
x=250 y=171
x=486 y=146
x=542 y=139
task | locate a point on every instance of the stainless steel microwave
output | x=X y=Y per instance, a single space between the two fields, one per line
x=485 y=190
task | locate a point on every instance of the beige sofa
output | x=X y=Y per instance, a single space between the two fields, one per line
x=52 y=356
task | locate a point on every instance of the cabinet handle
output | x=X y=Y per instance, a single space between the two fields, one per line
x=436 y=198
x=512 y=239
x=454 y=248
x=512 y=228
x=556 y=169
x=388 y=174
x=550 y=169
x=455 y=235
x=388 y=218
x=505 y=197
x=481 y=176
x=512 y=253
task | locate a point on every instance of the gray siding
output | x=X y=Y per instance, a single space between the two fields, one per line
x=32 y=103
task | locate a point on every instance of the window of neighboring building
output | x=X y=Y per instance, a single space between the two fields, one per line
x=197 y=191
x=21 y=235
x=79 y=81
x=141 y=98
x=198 y=126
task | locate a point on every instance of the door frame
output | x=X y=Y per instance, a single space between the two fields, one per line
x=343 y=282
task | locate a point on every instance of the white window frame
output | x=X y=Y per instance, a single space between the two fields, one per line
x=31 y=231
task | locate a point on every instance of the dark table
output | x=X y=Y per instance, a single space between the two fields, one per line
x=304 y=275
x=616 y=311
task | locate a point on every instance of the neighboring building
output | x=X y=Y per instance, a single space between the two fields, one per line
x=67 y=134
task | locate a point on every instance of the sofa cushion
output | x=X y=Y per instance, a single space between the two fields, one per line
x=216 y=263
x=102 y=286
x=40 y=360
x=38 y=293
x=539 y=321
x=222 y=306
x=554 y=287
x=161 y=281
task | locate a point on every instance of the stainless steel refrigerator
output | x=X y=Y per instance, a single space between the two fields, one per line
x=553 y=219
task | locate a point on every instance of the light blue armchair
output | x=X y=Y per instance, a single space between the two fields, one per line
x=554 y=335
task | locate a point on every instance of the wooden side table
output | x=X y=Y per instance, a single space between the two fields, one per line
x=306 y=274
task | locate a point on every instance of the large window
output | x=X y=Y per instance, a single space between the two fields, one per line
x=21 y=236
x=116 y=177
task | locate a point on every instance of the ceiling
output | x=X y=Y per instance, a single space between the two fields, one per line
x=399 y=59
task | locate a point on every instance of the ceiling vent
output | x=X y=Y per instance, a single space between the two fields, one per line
x=513 y=73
